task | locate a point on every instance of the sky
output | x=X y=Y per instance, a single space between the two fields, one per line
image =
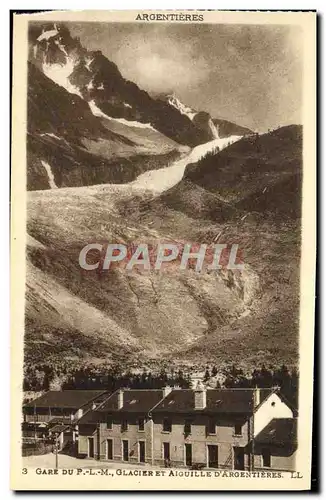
x=248 y=74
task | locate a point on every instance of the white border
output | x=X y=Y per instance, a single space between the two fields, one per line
x=4 y=198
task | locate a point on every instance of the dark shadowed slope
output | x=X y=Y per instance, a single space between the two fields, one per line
x=257 y=176
x=251 y=164
x=226 y=128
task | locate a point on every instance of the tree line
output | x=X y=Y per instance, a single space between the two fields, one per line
x=44 y=378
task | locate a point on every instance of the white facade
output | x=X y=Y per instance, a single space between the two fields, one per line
x=271 y=407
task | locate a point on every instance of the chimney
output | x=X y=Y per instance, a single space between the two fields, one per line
x=166 y=390
x=200 y=396
x=120 y=399
x=195 y=379
x=256 y=396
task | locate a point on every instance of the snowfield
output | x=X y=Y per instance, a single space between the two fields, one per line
x=97 y=112
x=160 y=180
x=60 y=73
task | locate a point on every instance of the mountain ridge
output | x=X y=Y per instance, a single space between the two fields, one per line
x=90 y=129
x=94 y=77
x=82 y=148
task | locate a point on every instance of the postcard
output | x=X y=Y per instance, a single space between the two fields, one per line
x=163 y=250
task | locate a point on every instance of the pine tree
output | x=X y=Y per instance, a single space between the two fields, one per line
x=207 y=375
x=214 y=371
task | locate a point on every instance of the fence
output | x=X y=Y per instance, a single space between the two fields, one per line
x=37 y=447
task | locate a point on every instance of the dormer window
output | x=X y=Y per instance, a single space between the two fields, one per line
x=211 y=428
x=187 y=428
x=141 y=424
x=167 y=425
x=238 y=430
x=109 y=423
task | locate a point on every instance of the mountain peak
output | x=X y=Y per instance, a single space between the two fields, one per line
x=172 y=99
x=96 y=79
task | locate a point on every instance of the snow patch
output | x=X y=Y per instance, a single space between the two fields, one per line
x=90 y=85
x=60 y=73
x=88 y=62
x=213 y=129
x=182 y=108
x=50 y=134
x=46 y=35
x=134 y=123
x=61 y=47
x=127 y=105
x=97 y=112
x=47 y=167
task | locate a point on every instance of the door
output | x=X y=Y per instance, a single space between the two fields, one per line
x=141 y=451
x=109 y=449
x=212 y=456
x=188 y=450
x=166 y=451
x=125 y=450
x=238 y=458
x=91 y=447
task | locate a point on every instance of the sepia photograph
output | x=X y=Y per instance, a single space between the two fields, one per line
x=166 y=297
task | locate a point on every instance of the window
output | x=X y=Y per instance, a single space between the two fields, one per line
x=109 y=423
x=141 y=424
x=211 y=426
x=167 y=426
x=266 y=456
x=238 y=430
x=187 y=427
x=124 y=425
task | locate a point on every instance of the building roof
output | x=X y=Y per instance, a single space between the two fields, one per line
x=138 y=401
x=91 y=417
x=73 y=399
x=217 y=401
x=134 y=400
x=279 y=432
